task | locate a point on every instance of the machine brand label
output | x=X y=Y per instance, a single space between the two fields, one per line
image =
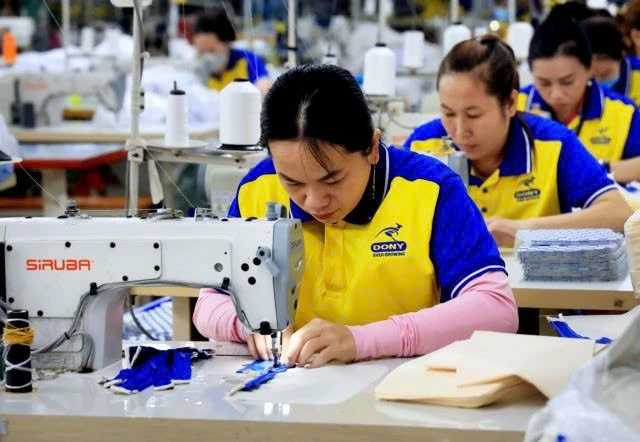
x=395 y=247
x=68 y=265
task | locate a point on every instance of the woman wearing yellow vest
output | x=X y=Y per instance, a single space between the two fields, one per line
x=528 y=172
x=608 y=124
x=611 y=68
x=398 y=260
x=218 y=64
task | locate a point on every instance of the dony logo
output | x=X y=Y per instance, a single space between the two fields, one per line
x=391 y=247
x=69 y=265
x=531 y=193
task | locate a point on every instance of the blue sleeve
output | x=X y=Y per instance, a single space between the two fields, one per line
x=257 y=68
x=432 y=129
x=461 y=248
x=632 y=146
x=581 y=179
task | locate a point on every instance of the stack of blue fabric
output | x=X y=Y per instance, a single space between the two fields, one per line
x=572 y=254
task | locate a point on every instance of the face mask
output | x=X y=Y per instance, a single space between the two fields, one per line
x=609 y=83
x=210 y=63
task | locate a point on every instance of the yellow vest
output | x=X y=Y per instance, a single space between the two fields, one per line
x=239 y=70
x=603 y=126
x=358 y=274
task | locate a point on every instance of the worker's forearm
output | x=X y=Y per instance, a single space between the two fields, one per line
x=625 y=171
x=610 y=214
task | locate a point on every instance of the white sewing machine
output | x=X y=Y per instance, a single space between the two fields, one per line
x=72 y=272
x=49 y=92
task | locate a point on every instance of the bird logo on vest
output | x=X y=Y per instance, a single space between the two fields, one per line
x=391 y=247
x=601 y=138
x=530 y=193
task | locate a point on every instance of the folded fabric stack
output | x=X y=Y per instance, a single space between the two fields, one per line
x=489 y=367
x=572 y=254
x=632 y=237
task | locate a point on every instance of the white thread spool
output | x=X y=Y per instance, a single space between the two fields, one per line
x=453 y=35
x=87 y=39
x=519 y=36
x=380 y=71
x=176 y=134
x=413 y=49
x=240 y=106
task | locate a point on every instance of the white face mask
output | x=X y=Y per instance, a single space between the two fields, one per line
x=211 y=63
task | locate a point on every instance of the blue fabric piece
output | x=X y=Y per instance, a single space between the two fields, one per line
x=160 y=368
x=181 y=365
x=266 y=372
x=564 y=331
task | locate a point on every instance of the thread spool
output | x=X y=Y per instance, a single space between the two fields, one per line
x=87 y=39
x=413 y=49
x=240 y=106
x=519 y=36
x=380 y=71
x=18 y=336
x=453 y=35
x=176 y=134
x=9 y=48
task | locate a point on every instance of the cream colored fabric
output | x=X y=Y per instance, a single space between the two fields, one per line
x=487 y=368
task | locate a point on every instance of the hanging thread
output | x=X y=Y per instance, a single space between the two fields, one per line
x=18 y=336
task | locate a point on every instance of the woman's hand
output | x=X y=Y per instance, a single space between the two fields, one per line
x=330 y=341
x=504 y=230
x=260 y=345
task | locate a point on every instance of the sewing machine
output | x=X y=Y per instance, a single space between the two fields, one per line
x=72 y=274
x=49 y=92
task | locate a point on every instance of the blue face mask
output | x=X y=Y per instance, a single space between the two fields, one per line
x=609 y=83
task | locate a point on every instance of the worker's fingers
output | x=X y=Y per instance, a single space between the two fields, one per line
x=298 y=339
x=324 y=357
x=252 y=346
x=262 y=347
x=311 y=347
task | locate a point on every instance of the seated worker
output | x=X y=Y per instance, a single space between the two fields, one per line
x=218 y=63
x=528 y=172
x=328 y=166
x=631 y=27
x=608 y=124
x=610 y=67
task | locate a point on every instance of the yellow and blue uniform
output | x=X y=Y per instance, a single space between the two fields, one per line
x=628 y=83
x=545 y=170
x=415 y=239
x=241 y=64
x=608 y=124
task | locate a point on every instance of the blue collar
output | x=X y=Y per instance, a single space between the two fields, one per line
x=370 y=201
x=624 y=79
x=592 y=108
x=518 y=152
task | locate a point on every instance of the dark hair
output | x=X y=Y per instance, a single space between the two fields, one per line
x=571 y=11
x=492 y=60
x=604 y=37
x=318 y=105
x=216 y=22
x=560 y=36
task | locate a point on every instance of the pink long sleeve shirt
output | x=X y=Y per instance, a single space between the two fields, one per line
x=485 y=303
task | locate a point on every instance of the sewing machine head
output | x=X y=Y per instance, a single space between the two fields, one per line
x=72 y=274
